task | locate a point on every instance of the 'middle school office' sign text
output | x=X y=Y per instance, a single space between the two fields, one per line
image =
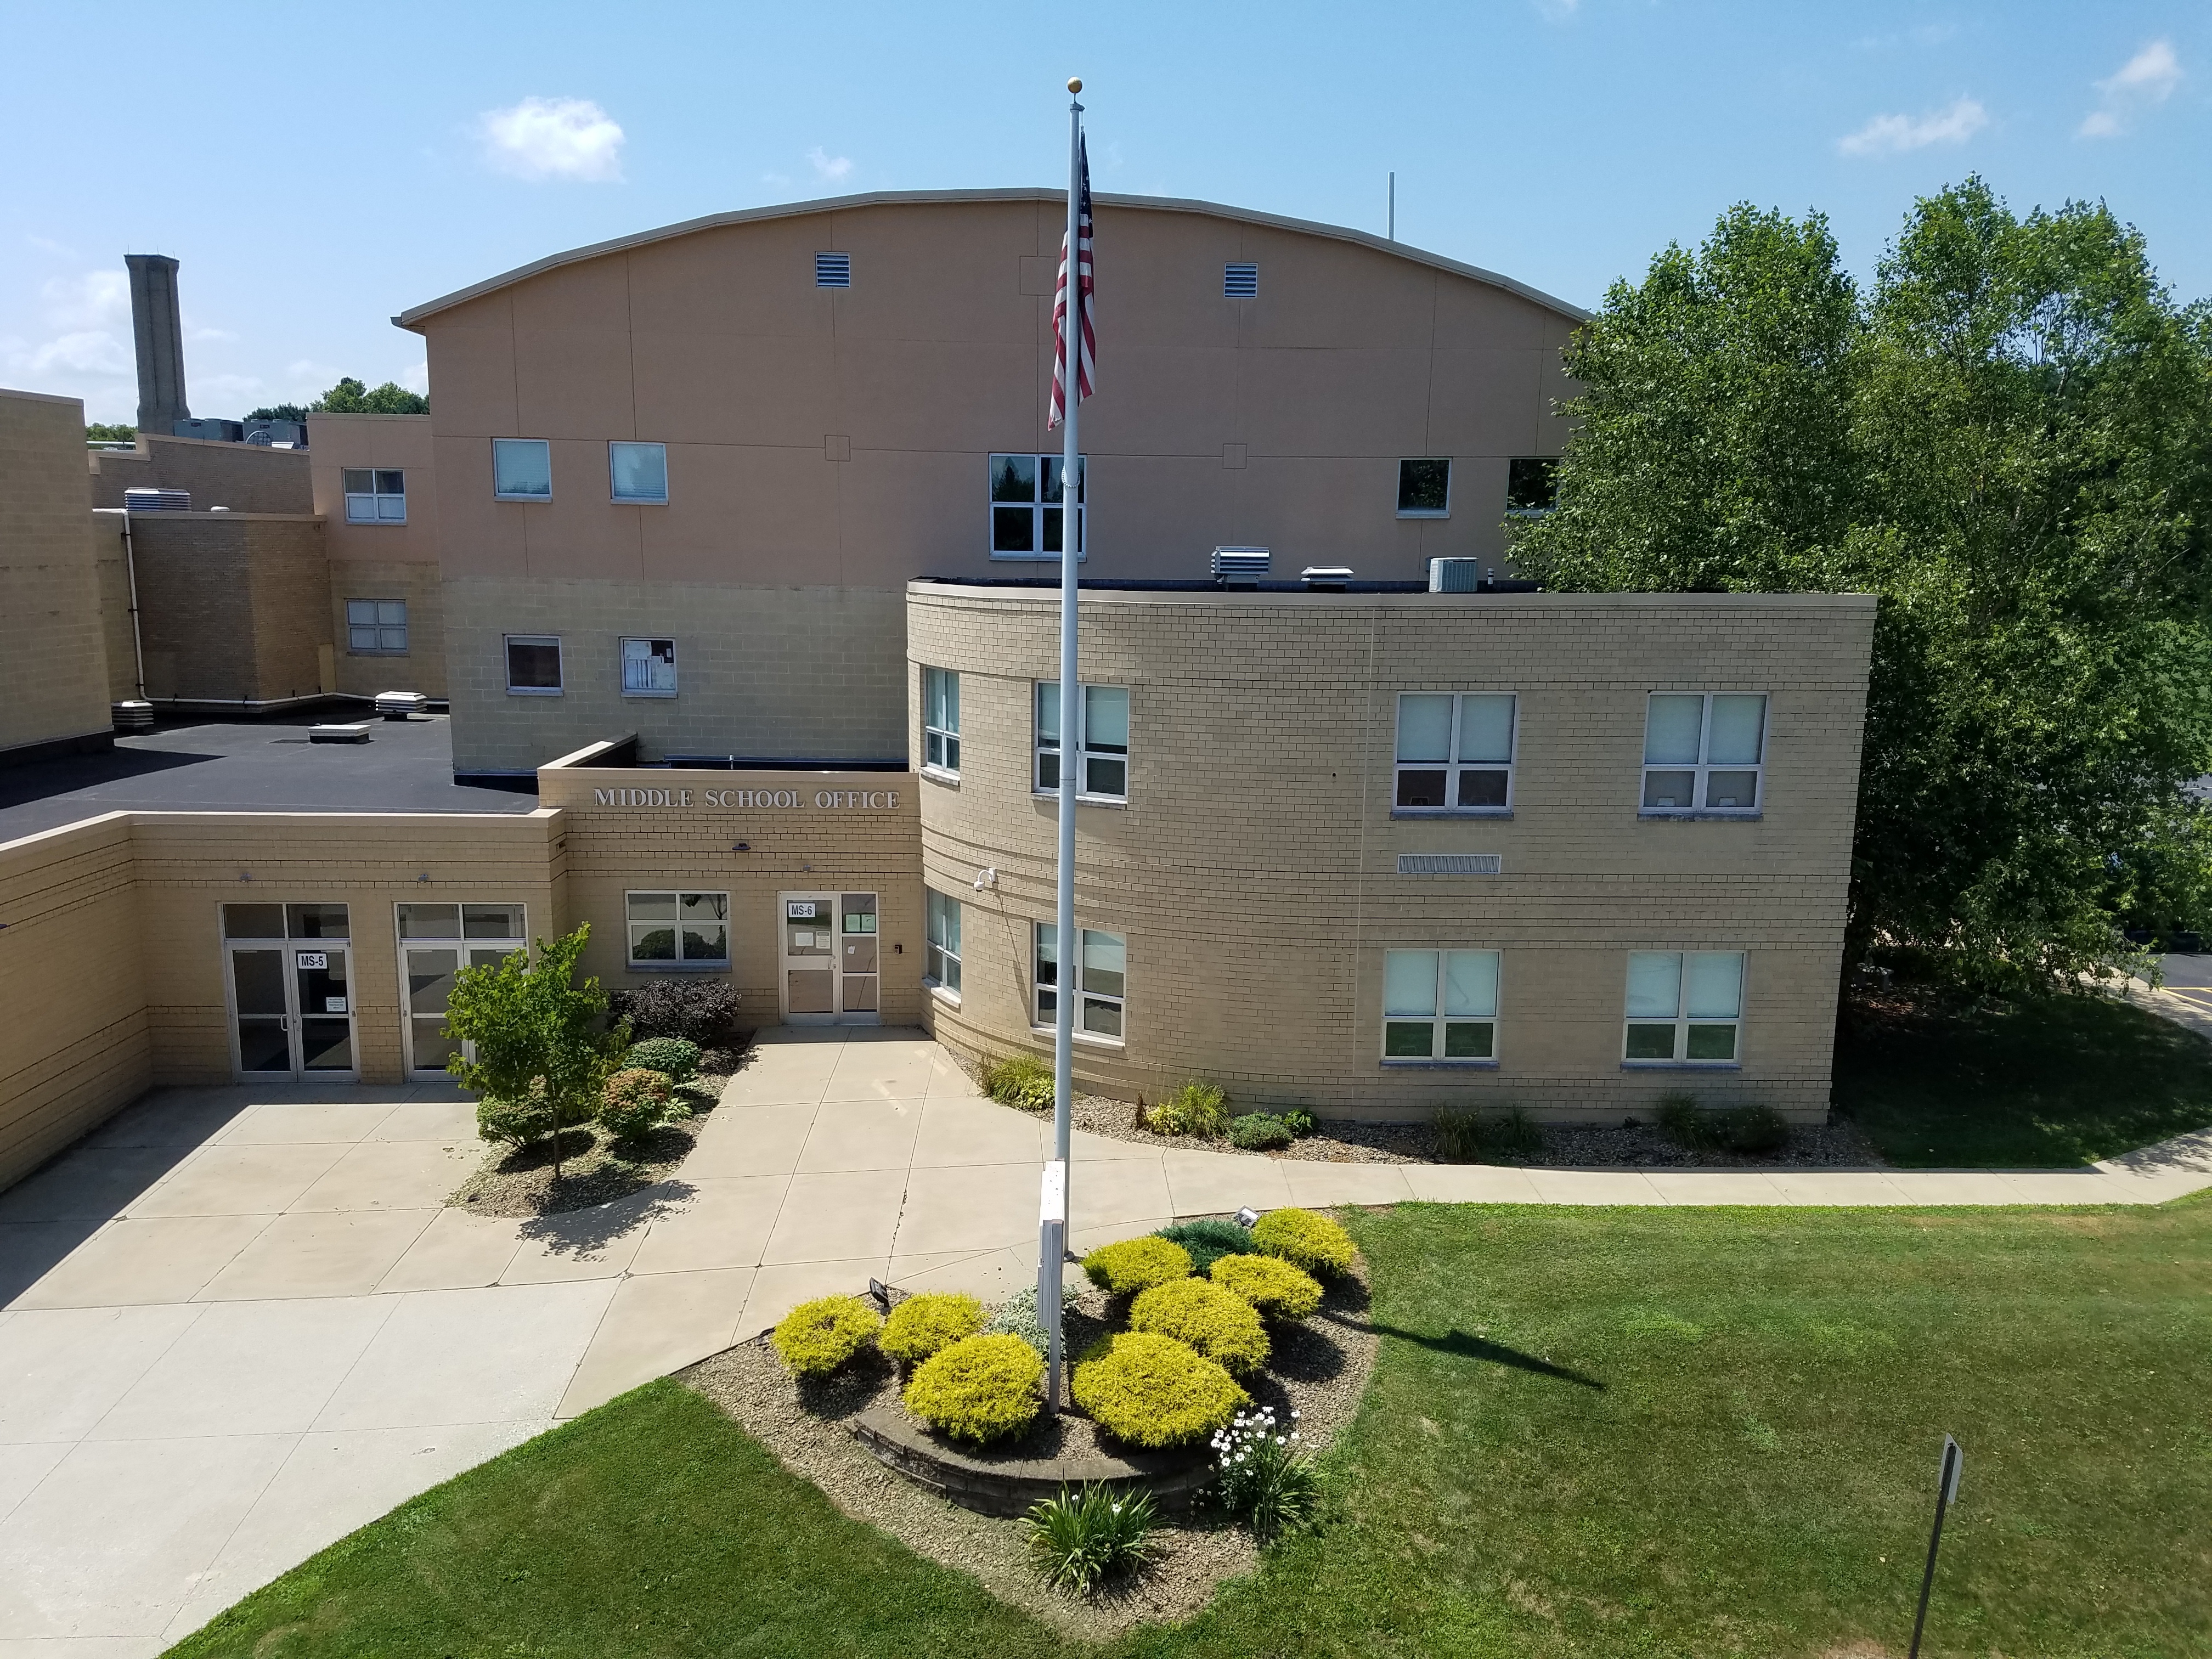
x=821 y=800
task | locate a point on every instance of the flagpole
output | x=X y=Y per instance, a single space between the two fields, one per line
x=1069 y=949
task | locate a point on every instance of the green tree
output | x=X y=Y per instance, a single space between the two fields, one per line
x=537 y=1040
x=350 y=397
x=2008 y=437
x=278 y=412
x=97 y=432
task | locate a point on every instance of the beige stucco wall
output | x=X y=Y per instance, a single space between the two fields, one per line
x=244 y=477
x=1253 y=870
x=53 y=653
x=382 y=561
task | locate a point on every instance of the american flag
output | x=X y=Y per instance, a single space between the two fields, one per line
x=1083 y=289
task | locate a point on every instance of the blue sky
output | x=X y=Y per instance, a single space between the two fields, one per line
x=317 y=168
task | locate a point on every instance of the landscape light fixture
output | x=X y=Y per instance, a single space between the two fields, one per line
x=1248 y=1217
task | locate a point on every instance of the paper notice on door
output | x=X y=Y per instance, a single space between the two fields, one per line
x=802 y=939
x=334 y=1005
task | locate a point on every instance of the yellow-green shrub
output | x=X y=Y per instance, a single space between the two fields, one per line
x=920 y=1325
x=1220 y=1324
x=1314 y=1241
x=979 y=1388
x=1137 y=1264
x=817 y=1337
x=1155 y=1391
x=1270 y=1284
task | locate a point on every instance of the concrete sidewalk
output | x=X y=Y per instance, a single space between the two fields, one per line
x=235 y=1324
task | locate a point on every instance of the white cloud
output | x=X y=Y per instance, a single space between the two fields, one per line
x=830 y=169
x=2145 y=81
x=553 y=138
x=96 y=299
x=417 y=379
x=1894 y=134
x=1557 y=11
x=85 y=352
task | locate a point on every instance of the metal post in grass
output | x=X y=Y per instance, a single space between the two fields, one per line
x=1946 y=1493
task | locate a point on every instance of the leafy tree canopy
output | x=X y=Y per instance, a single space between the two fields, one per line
x=96 y=432
x=2007 y=437
x=278 y=412
x=350 y=397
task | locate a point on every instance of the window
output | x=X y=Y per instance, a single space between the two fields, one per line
x=331 y=921
x=1455 y=751
x=374 y=495
x=638 y=473
x=1439 y=1005
x=378 y=625
x=940 y=719
x=1102 y=769
x=1532 y=484
x=522 y=469
x=679 y=930
x=437 y=941
x=1703 y=752
x=1683 y=1006
x=1240 y=282
x=1105 y=965
x=1424 y=489
x=1025 y=507
x=534 y=665
x=943 y=962
x=833 y=270
x=648 y=668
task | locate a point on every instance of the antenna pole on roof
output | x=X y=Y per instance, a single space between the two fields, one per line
x=1393 y=208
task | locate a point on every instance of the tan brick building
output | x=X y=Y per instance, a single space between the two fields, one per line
x=53 y=647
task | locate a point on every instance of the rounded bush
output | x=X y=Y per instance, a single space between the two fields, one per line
x=1154 y=1391
x=920 y=1325
x=1299 y=1123
x=515 y=1122
x=979 y=1388
x=1137 y=1264
x=1220 y=1324
x=1208 y=1241
x=1259 y=1131
x=817 y=1337
x=1272 y=1286
x=633 y=1102
x=675 y=1056
x=1313 y=1241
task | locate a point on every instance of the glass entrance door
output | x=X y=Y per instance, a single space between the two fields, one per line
x=263 y=1019
x=808 y=927
x=290 y=984
x=857 y=977
x=437 y=941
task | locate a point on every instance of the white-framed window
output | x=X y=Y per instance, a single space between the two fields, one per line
x=677 y=930
x=1439 y=1006
x=1425 y=487
x=1027 y=506
x=1532 y=485
x=648 y=668
x=534 y=665
x=1104 y=980
x=943 y=961
x=1455 y=750
x=1703 y=752
x=1102 y=742
x=378 y=626
x=940 y=720
x=375 y=495
x=521 y=470
x=1684 y=1007
x=437 y=941
x=638 y=473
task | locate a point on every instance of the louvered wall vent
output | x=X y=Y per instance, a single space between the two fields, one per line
x=1241 y=281
x=833 y=270
x=1450 y=864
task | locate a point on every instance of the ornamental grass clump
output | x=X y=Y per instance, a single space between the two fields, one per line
x=1262 y=1474
x=1208 y=1241
x=1726 y=1128
x=979 y=1389
x=1078 y=1540
x=634 y=1102
x=817 y=1337
x=1273 y=1286
x=1312 y=1241
x=675 y=1056
x=1153 y=1391
x=1218 y=1323
x=1196 y=1108
x=920 y=1325
x=1021 y=1080
x=1137 y=1264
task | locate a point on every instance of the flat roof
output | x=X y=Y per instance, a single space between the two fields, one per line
x=1512 y=591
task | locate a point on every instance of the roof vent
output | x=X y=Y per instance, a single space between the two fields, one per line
x=1241 y=281
x=1454 y=575
x=157 y=501
x=1239 y=564
x=1326 y=575
x=833 y=270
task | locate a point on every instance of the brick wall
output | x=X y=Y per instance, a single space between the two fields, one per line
x=53 y=654
x=233 y=606
x=244 y=477
x=415 y=583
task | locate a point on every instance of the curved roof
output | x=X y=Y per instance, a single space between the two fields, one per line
x=415 y=316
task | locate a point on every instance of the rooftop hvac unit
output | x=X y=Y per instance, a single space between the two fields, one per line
x=157 y=501
x=1326 y=575
x=134 y=714
x=1239 y=564
x=277 y=435
x=1454 y=575
x=219 y=431
x=398 y=705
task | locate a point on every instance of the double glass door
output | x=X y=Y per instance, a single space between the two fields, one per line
x=289 y=974
x=437 y=941
x=831 y=974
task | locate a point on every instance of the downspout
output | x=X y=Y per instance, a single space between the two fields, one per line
x=130 y=575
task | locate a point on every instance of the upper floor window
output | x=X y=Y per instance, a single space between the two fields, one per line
x=1240 y=282
x=648 y=668
x=1102 y=741
x=1102 y=979
x=638 y=473
x=378 y=625
x=1439 y=1005
x=1026 y=506
x=1683 y=1006
x=940 y=719
x=678 y=929
x=1455 y=750
x=1425 y=487
x=375 y=496
x=1532 y=484
x=534 y=665
x=942 y=963
x=522 y=469
x=1703 y=752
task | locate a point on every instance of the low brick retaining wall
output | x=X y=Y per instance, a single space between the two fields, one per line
x=1009 y=1485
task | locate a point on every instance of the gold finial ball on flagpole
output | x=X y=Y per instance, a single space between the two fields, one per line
x=1075 y=83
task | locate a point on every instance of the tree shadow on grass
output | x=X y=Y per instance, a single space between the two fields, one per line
x=1468 y=1346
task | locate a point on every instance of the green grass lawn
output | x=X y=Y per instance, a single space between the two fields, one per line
x=2036 y=1083
x=1591 y=1432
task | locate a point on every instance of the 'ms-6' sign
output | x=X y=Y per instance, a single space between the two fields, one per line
x=823 y=800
